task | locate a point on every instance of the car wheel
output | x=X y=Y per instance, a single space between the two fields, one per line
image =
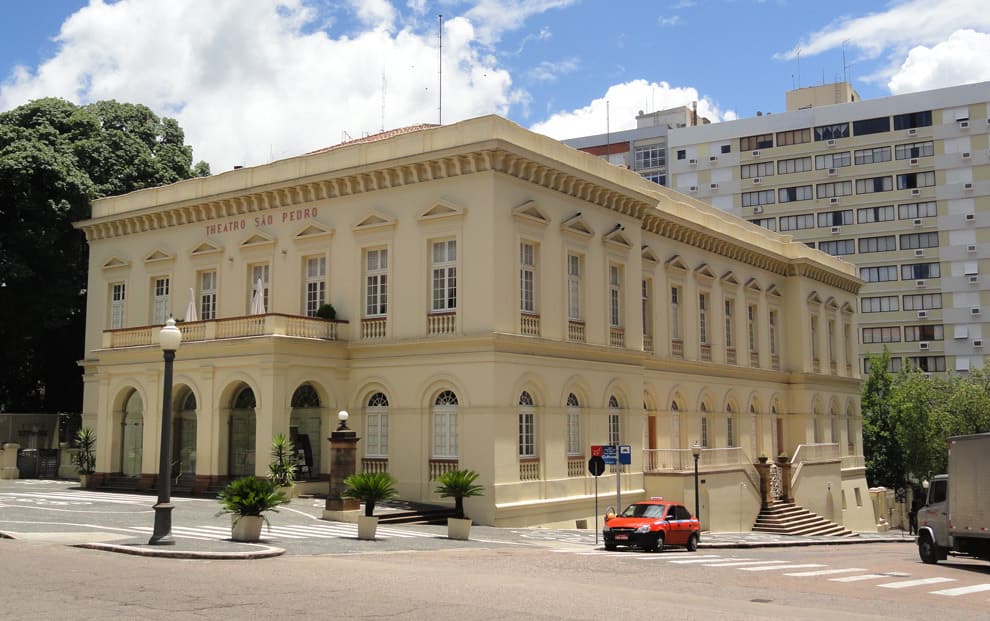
x=692 y=544
x=658 y=546
x=928 y=550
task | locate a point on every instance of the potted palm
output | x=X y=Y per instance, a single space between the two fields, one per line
x=247 y=500
x=282 y=469
x=369 y=488
x=85 y=459
x=458 y=484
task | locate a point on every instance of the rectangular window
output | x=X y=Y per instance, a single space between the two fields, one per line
x=376 y=442
x=874 y=184
x=798 y=222
x=703 y=318
x=527 y=434
x=573 y=431
x=794 y=136
x=910 y=211
x=833 y=160
x=316 y=284
x=915 y=180
x=881 y=335
x=444 y=271
x=843 y=217
x=872 y=156
x=871 y=126
x=160 y=311
x=923 y=333
x=754 y=143
x=730 y=314
x=880 y=304
x=574 y=287
x=445 y=432
x=527 y=277
x=913 y=119
x=655 y=178
x=681 y=154
x=758 y=169
x=918 y=271
x=675 y=313
x=769 y=224
x=838 y=247
x=726 y=148
x=730 y=432
x=376 y=282
x=773 y=333
x=761 y=197
x=922 y=301
x=836 y=188
x=796 y=165
x=645 y=310
x=814 y=337
x=118 y=291
x=884 y=243
x=259 y=272
x=914 y=150
x=799 y=193
x=208 y=295
x=614 y=296
x=911 y=241
x=831 y=132
x=648 y=157
x=881 y=273
x=866 y=215
x=894 y=366
x=928 y=364
x=751 y=326
x=613 y=429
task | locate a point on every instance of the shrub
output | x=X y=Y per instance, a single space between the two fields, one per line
x=370 y=488
x=459 y=484
x=250 y=496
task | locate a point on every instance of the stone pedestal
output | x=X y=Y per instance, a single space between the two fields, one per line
x=343 y=463
x=8 y=461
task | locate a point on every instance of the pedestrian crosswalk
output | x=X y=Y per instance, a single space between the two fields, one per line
x=81 y=497
x=283 y=532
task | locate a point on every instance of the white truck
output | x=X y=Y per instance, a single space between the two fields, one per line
x=956 y=515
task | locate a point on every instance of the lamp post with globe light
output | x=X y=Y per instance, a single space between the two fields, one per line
x=343 y=463
x=169 y=338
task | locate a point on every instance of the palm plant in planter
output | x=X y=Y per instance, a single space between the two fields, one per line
x=369 y=488
x=247 y=500
x=282 y=470
x=85 y=459
x=458 y=484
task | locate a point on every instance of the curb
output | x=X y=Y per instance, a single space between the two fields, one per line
x=265 y=552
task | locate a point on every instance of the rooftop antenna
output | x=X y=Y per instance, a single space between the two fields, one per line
x=844 y=65
x=440 y=72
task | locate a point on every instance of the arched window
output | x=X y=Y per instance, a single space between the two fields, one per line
x=704 y=425
x=190 y=402
x=376 y=426
x=730 y=427
x=445 y=425
x=850 y=434
x=675 y=425
x=244 y=399
x=573 y=425
x=305 y=397
x=613 y=420
x=527 y=426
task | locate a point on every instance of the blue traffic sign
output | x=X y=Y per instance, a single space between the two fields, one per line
x=609 y=454
x=625 y=454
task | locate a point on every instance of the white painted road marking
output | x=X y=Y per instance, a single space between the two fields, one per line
x=738 y=563
x=825 y=572
x=913 y=583
x=779 y=567
x=976 y=588
x=862 y=577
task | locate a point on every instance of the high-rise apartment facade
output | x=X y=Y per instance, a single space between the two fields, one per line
x=898 y=186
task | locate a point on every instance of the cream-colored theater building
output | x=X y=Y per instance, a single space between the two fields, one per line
x=503 y=302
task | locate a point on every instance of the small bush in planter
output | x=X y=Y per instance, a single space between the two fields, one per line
x=369 y=488
x=85 y=459
x=250 y=496
x=326 y=311
x=282 y=470
x=459 y=484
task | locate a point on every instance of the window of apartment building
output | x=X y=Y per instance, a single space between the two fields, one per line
x=879 y=304
x=316 y=284
x=794 y=136
x=874 y=184
x=768 y=223
x=376 y=282
x=911 y=241
x=883 y=243
x=918 y=271
x=758 y=169
x=893 y=366
x=913 y=119
x=843 y=217
x=445 y=425
x=831 y=132
x=703 y=325
x=574 y=287
x=118 y=300
x=880 y=273
x=613 y=420
x=159 y=300
x=675 y=313
x=730 y=316
x=833 y=160
x=797 y=193
x=376 y=426
x=681 y=154
x=573 y=425
x=928 y=364
x=866 y=215
x=795 y=165
x=838 y=247
x=773 y=332
x=753 y=143
x=260 y=272
x=208 y=295
x=762 y=197
x=890 y=334
x=871 y=126
x=922 y=301
x=910 y=211
x=655 y=178
x=527 y=426
x=871 y=156
x=797 y=222
x=923 y=333
x=614 y=296
x=726 y=148
x=444 y=270
x=649 y=157
x=836 y=188
x=914 y=150
x=751 y=327
x=527 y=277
x=915 y=180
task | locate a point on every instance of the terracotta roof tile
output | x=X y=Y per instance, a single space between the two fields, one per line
x=391 y=133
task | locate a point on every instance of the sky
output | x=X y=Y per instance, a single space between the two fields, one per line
x=252 y=81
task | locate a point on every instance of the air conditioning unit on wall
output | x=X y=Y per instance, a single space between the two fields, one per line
x=757 y=180
x=923 y=346
x=922 y=314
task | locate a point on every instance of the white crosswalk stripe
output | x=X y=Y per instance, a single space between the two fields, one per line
x=741 y=563
x=976 y=588
x=780 y=567
x=82 y=496
x=860 y=578
x=913 y=583
x=706 y=559
x=315 y=531
x=825 y=572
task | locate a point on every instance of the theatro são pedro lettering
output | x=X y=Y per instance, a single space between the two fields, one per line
x=241 y=224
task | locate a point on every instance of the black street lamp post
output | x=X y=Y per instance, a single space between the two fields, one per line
x=696 y=453
x=170 y=338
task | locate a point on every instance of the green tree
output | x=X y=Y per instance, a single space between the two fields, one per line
x=56 y=157
x=884 y=458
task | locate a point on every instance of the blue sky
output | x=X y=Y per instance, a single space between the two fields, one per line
x=255 y=80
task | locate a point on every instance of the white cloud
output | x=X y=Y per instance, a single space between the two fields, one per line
x=961 y=59
x=249 y=81
x=548 y=71
x=493 y=17
x=673 y=20
x=375 y=13
x=624 y=101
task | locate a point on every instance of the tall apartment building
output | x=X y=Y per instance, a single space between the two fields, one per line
x=898 y=186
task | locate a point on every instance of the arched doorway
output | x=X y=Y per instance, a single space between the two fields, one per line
x=304 y=430
x=132 y=434
x=184 y=436
x=242 y=429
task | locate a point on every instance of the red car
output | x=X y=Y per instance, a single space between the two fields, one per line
x=651 y=525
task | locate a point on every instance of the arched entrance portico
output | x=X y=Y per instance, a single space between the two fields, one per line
x=184 y=435
x=241 y=457
x=132 y=436
x=305 y=430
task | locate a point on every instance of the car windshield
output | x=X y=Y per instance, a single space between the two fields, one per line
x=647 y=511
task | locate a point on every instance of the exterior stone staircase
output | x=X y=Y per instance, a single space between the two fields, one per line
x=786 y=518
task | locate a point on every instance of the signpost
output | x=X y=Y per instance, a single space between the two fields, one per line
x=596 y=466
x=616 y=455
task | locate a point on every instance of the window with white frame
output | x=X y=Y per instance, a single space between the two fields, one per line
x=730 y=427
x=867 y=215
x=259 y=272
x=573 y=425
x=527 y=277
x=730 y=314
x=527 y=426
x=208 y=295
x=118 y=300
x=647 y=286
x=376 y=282
x=704 y=425
x=833 y=160
x=675 y=313
x=613 y=420
x=376 y=426
x=445 y=425
x=614 y=296
x=316 y=284
x=444 y=276
x=703 y=336
x=574 y=287
x=914 y=150
x=159 y=288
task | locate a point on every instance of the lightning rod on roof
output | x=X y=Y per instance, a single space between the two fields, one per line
x=440 y=72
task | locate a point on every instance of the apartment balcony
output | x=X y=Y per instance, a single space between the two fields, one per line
x=616 y=336
x=575 y=331
x=374 y=327
x=438 y=324
x=648 y=343
x=270 y=324
x=706 y=352
x=730 y=355
x=677 y=348
x=529 y=324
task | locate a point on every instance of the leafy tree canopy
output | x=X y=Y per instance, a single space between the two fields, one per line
x=56 y=157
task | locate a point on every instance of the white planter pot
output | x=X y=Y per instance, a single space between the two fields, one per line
x=246 y=528
x=367 y=526
x=458 y=528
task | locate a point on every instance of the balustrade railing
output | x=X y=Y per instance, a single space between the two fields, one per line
x=529 y=324
x=677 y=348
x=440 y=466
x=730 y=355
x=775 y=362
x=754 y=359
x=616 y=337
x=231 y=327
x=441 y=323
x=576 y=467
x=374 y=327
x=674 y=460
x=706 y=352
x=529 y=470
x=648 y=343
x=374 y=464
x=575 y=331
